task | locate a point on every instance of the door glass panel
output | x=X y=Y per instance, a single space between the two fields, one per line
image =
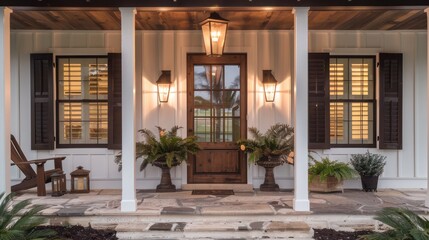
x=217 y=111
x=201 y=77
x=232 y=77
x=202 y=99
x=217 y=74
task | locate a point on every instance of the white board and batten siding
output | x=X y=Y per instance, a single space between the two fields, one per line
x=166 y=50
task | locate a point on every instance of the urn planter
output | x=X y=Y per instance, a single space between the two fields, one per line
x=269 y=163
x=165 y=184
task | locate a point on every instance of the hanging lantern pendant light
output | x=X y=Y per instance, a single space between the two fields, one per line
x=214 y=34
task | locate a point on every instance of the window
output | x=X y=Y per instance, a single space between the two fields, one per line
x=352 y=101
x=82 y=101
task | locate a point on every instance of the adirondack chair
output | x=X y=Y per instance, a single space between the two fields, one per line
x=33 y=179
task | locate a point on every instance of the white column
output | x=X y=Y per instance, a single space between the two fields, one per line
x=300 y=201
x=427 y=95
x=5 y=99
x=128 y=46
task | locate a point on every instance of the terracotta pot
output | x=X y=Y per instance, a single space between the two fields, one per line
x=369 y=183
x=330 y=184
x=165 y=184
x=269 y=163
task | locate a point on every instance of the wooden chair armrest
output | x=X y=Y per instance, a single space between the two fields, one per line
x=47 y=159
x=39 y=161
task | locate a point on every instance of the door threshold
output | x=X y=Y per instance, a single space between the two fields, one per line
x=217 y=186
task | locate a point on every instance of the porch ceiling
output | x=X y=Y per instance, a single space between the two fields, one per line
x=326 y=19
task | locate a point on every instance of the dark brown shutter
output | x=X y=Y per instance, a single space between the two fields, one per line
x=318 y=100
x=42 y=101
x=115 y=101
x=390 y=100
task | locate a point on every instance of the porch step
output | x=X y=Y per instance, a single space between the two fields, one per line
x=234 y=187
x=215 y=230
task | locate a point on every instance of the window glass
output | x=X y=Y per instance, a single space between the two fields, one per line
x=352 y=100
x=82 y=100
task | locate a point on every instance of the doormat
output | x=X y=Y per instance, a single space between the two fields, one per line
x=213 y=192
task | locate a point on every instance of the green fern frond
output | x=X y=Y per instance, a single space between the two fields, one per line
x=167 y=146
x=405 y=224
x=16 y=224
x=277 y=140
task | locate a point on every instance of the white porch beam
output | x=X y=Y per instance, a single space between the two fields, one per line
x=128 y=46
x=300 y=201
x=5 y=99
x=427 y=95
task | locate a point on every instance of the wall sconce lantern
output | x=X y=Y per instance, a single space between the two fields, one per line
x=214 y=34
x=270 y=84
x=58 y=184
x=80 y=180
x=163 y=85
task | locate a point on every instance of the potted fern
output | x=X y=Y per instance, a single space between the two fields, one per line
x=269 y=150
x=369 y=166
x=165 y=152
x=328 y=175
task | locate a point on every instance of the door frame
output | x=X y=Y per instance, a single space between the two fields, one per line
x=225 y=59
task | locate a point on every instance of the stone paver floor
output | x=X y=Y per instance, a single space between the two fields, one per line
x=107 y=202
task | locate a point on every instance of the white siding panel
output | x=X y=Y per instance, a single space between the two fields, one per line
x=79 y=40
x=95 y=40
x=392 y=41
x=61 y=40
x=113 y=168
x=158 y=50
x=42 y=42
x=406 y=156
x=420 y=107
x=99 y=166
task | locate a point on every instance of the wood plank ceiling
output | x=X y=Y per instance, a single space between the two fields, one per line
x=375 y=19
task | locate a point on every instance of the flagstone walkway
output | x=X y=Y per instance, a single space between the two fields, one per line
x=107 y=202
x=250 y=214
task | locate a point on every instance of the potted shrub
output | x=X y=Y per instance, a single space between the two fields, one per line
x=369 y=166
x=269 y=150
x=327 y=175
x=165 y=152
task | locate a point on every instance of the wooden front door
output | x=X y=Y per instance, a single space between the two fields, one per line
x=217 y=108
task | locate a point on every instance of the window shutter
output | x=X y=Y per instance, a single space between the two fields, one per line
x=42 y=102
x=390 y=104
x=318 y=100
x=115 y=101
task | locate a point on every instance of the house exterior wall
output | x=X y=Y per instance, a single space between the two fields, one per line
x=166 y=50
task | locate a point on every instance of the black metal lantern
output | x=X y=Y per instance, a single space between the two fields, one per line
x=163 y=83
x=58 y=184
x=80 y=180
x=214 y=34
x=270 y=84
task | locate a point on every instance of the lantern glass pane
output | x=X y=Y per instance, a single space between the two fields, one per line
x=217 y=37
x=206 y=35
x=163 y=92
x=270 y=91
x=79 y=183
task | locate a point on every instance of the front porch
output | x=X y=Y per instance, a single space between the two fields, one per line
x=246 y=214
x=278 y=44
